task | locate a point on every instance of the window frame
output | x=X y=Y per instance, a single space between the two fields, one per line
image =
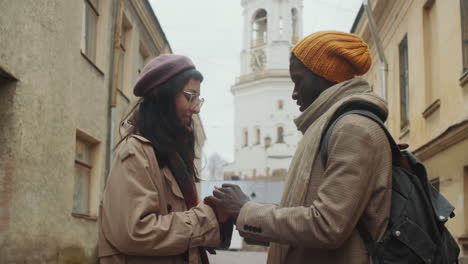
x=245 y=138
x=91 y=163
x=125 y=54
x=257 y=38
x=258 y=137
x=465 y=194
x=81 y=164
x=435 y=182
x=280 y=104
x=143 y=56
x=294 y=25
x=280 y=134
x=464 y=34
x=90 y=30
x=403 y=58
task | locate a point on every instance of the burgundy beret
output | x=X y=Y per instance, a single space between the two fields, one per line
x=159 y=70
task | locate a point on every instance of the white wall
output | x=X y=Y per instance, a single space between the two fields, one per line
x=256 y=102
x=256 y=106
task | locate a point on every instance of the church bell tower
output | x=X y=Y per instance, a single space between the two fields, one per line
x=265 y=134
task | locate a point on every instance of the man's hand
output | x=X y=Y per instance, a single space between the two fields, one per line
x=228 y=200
x=220 y=214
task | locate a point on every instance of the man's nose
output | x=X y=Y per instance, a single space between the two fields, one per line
x=294 y=95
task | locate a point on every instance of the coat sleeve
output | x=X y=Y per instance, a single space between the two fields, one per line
x=131 y=221
x=355 y=149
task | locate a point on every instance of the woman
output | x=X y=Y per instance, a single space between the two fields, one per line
x=150 y=212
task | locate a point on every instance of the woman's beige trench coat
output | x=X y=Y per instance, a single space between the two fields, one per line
x=143 y=217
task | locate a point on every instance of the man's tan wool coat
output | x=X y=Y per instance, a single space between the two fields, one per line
x=321 y=206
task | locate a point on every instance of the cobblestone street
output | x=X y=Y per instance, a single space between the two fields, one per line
x=238 y=257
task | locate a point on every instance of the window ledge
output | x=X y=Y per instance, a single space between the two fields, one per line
x=429 y=4
x=431 y=108
x=463 y=239
x=404 y=131
x=4 y=74
x=124 y=95
x=83 y=216
x=464 y=78
x=92 y=63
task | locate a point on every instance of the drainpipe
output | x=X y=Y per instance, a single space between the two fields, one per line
x=378 y=44
x=115 y=66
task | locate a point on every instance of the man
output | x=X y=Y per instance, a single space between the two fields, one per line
x=327 y=205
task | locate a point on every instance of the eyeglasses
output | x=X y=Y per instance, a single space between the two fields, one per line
x=194 y=99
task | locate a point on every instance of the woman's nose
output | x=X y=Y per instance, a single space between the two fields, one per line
x=196 y=109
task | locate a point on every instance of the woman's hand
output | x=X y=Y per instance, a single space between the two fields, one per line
x=221 y=215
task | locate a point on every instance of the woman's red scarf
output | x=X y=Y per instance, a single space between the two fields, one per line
x=186 y=182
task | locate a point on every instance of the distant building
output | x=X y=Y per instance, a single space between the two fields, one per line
x=265 y=134
x=213 y=170
x=426 y=45
x=67 y=70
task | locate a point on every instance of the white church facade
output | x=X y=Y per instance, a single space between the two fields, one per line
x=265 y=134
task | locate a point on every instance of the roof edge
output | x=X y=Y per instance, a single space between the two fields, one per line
x=357 y=19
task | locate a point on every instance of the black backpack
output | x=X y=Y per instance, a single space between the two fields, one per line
x=416 y=231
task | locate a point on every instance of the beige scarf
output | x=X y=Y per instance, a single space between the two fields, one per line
x=312 y=123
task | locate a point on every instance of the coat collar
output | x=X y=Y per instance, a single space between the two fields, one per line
x=328 y=98
x=127 y=126
x=172 y=181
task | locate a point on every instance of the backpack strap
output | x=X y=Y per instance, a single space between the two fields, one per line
x=326 y=137
x=366 y=236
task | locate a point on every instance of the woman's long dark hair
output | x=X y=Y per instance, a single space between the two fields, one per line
x=157 y=121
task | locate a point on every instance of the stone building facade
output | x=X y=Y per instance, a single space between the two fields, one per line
x=66 y=74
x=425 y=43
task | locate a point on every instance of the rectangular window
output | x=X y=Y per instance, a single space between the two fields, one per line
x=246 y=138
x=142 y=58
x=404 y=83
x=429 y=32
x=90 y=20
x=436 y=183
x=465 y=194
x=124 y=49
x=280 y=138
x=280 y=104
x=257 y=138
x=464 y=25
x=83 y=167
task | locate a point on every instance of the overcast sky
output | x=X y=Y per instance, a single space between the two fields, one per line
x=210 y=33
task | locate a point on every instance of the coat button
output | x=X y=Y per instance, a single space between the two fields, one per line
x=246 y=227
x=397 y=233
x=442 y=218
x=169 y=208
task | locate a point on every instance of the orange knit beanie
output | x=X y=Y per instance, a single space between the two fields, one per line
x=336 y=56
